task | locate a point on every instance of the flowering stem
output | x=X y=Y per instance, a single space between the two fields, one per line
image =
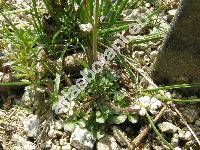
x=95 y=31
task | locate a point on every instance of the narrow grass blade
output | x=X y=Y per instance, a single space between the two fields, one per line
x=178 y=86
x=7 y=84
x=162 y=98
x=157 y=132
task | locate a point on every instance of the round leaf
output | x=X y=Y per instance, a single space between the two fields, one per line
x=101 y=117
x=69 y=127
x=133 y=119
x=81 y=123
x=119 y=119
x=100 y=134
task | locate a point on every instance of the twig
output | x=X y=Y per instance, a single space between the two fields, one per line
x=145 y=130
x=40 y=136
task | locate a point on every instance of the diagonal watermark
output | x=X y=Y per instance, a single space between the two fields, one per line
x=66 y=103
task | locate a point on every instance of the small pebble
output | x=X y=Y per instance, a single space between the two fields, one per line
x=188 y=135
x=172 y=12
x=167 y=127
x=66 y=147
x=197 y=122
x=58 y=125
x=153 y=54
x=147 y=5
x=175 y=140
x=107 y=143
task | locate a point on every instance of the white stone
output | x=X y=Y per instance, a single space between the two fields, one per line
x=181 y=134
x=31 y=125
x=172 y=12
x=63 y=142
x=147 y=5
x=175 y=140
x=66 y=147
x=197 y=122
x=2 y=114
x=51 y=132
x=154 y=54
x=177 y=148
x=48 y=144
x=167 y=127
x=82 y=139
x=107 y=143
x=58 y=125
x=26 y=145
x=53 y=147
x=188 y=135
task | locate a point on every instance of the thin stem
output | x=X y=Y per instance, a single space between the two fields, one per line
x=14 y=84
x=95 y=30
x=157 y=132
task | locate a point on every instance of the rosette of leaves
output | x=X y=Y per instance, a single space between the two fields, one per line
x=94 y=111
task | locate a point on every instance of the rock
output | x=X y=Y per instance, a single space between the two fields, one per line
x=167 y=127
x=158 y=148
x=177 y=148
x=51 y=132
x=197 y=122
x=58 y=147
x=63 y=142
x=153 y=54
x=31 y=125
x=54 y=133
x=58 y=125
x=58 y=134
x=107 y=143
x=137 y=54
x=184 y=135
x=82 y=139
x=66 y=147
x=53 y=147
x=24 y=144
x=188 y=135
x=181 y=134
x=172 y=12
x=147 y=5
x=48 y=144
x=190 y=115
x=175 y=140
x=2 y=114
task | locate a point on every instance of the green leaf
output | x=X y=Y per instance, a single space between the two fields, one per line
x=171 y=87
x=133 y=119
x=101 y=117
x=119 y=119
x=100 y=134
x=119 y=96
x=81 y=123
x=69 y=126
